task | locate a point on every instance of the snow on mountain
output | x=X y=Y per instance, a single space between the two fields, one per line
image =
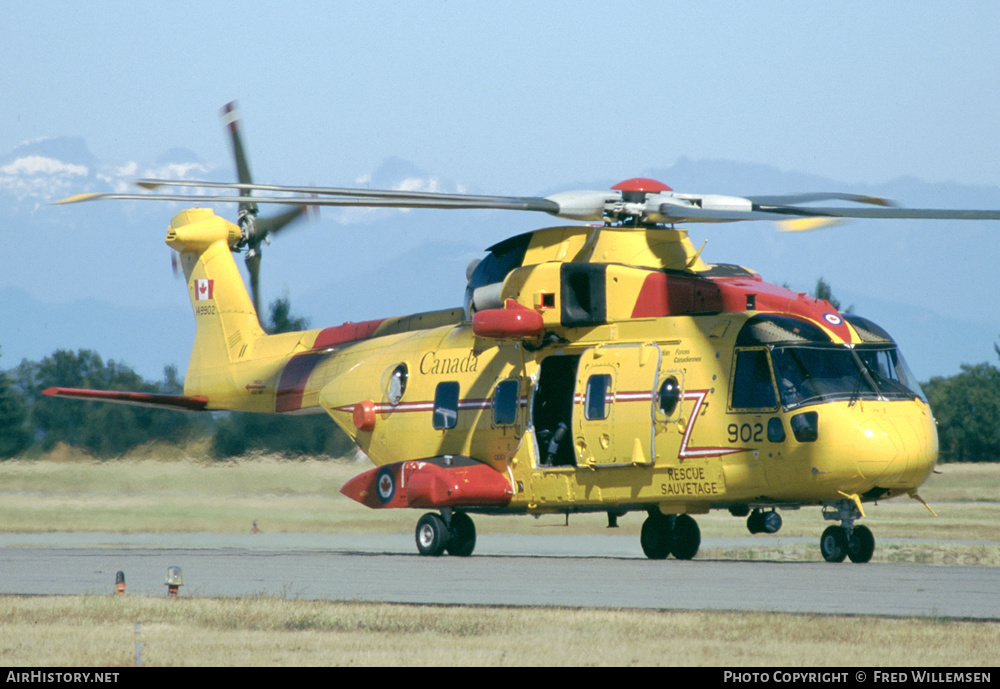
x=38 y=172
x=43 y=171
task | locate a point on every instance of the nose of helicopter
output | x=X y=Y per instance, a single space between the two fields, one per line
x=891 y=446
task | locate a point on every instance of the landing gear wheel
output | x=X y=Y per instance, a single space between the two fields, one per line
x=657 y=536
x=463 y=535
x=833 y=544
x=764 y=522
x=432 y=535
x=687 y=538
x=771 y=522
x=861 y=544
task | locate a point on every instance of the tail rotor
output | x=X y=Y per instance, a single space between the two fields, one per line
x=255 y=230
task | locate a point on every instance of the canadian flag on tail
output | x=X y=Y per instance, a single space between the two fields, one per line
x=203 y=290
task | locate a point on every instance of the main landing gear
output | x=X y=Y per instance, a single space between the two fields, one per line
x=450 y=531
x=846 y=540
x=664 y=535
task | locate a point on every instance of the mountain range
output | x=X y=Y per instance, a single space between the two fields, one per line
x=97 y=275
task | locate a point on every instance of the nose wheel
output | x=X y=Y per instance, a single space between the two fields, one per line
x=836 y=544
x=860 y=544
x=847 y=540
x=833 y=544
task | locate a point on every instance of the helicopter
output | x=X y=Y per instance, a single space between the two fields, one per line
x=599 y=366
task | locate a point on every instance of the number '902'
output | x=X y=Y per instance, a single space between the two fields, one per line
x=745 y=433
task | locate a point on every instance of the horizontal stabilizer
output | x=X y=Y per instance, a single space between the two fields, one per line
x=144 y=399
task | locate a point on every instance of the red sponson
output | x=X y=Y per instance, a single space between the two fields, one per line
x=419 y=483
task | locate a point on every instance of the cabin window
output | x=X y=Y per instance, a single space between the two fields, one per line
x=446 y=406
x=596 y=402
x=396 y=385
x=668 y=396
x=753 y=387
x=505 y=400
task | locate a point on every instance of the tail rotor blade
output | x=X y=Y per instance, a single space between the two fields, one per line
x=256 y=229
x=231 y=116
x=253 y=267
x=273 y=224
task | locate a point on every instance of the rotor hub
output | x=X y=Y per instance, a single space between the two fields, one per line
x=634 y=190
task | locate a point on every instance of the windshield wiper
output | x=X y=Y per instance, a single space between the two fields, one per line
x=863 y=375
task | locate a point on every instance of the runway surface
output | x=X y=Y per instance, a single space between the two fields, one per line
x=573 y=571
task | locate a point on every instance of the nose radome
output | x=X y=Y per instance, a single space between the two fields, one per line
x=876 y=447
x=897 y=450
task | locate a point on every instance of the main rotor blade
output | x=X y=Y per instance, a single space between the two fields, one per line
x=792 y=199
x=885 y=213
x=443 y=201
x=324 y=191
x=662 y=213
x=674 y=214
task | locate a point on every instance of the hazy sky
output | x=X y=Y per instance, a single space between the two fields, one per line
x=510 y=98
x=516 y=97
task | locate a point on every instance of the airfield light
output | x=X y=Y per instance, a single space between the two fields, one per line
x=175 y=579
x=120 y=582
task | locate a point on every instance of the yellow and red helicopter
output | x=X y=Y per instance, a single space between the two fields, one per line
x=599 y=366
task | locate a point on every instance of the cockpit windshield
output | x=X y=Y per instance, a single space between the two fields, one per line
x=812 y=373
x=808 y=367
x=809 y=373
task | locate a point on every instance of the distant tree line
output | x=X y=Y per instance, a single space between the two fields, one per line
x=966 y=406
x=31 y=423
x=967 y=409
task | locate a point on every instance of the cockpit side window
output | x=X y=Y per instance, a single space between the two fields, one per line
x=883 y=360
x=753 y=386
x=888 y=369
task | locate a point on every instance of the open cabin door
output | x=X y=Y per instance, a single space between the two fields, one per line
x=614 y=405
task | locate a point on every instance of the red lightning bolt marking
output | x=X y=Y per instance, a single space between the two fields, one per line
x=686 y=452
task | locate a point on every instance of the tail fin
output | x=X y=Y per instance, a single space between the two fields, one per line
x=223 y=372
x=226 y=321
